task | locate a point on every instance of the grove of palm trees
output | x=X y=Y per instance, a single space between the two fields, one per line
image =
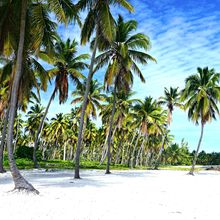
x=103 y=122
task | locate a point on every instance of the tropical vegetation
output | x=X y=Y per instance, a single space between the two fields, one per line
x=107 y=125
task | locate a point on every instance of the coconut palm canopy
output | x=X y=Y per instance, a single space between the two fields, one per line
x=201 y=95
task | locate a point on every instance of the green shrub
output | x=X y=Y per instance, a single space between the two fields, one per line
x=27 y=152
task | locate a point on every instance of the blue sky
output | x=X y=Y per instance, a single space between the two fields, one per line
x=185 y=34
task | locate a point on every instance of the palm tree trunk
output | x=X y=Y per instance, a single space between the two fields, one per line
x=123 y=153
x=104 y=150
x=19 y=180
x=139 y=153
x=2 y=170
x=128 y=152
x=157 y=163
x=197 y=151
x=118 y=152
x=64 y=151
x=40 y=129
x=71 y=151
x=43 y=151
x=134 y=150
x=16 y=137
x=104 y=154
x=110 y=133
x=80 y=134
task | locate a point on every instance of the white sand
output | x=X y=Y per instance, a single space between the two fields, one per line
x=126 y=195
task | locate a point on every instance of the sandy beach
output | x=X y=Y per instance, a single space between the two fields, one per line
x=121 y=195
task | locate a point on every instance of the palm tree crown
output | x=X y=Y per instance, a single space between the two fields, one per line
x=171 y=99
x=99 y=18
x=201 y=95
x=67 y=64
x=122 y=55
x=95 y=97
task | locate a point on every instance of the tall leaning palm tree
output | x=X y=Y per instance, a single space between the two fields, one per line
x=14 y=26
x=99 y=20
x=170 y=99
x=20 y=182
x=201 y=95
x=67 y=66
x=122 y=56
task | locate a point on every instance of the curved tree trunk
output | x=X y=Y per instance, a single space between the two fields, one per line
x=110 y=133
x=80 y=134
x=19 y=180
x=129 y=148
x=40 y=129
x=2 y=170
x=135 y=146
x=105 y=151
x=123 y=153
x=16 y=136
x=157 y=163
x=118 y=152
x=64 y=151
x=197 y=151
x=139 y=153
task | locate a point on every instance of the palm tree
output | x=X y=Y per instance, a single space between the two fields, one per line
x=57 y=130
x=34 y=115
x=14 y=26
x=67 y=64
x=99 y=20
x=20 y=182
x=33 y=77
x=123 y=105
x=4 y=114
x=201 y=94
x=95 y=96
x=170 y=99
x=121 y=55
x=150 y=119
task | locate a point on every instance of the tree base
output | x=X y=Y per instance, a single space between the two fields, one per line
x=2 y=170
x=107 y=172
x=25 y=190
x=77 y=176
x=36 y=166
x=191 y=173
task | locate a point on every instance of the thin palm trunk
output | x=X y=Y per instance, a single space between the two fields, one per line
x=157 y=163
x=80 y=134
x=158 y=160
x=117 y=158
x=16 y=137
x=139 y=153
x=104 y=154
x=134 y=150
x=110 y=133
x=40 y=129
x=123 y=153
x=197 y=151
x=129 y=153
x=19 y=180
x=71 y=151
x=2 y=170
x=64 y=151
